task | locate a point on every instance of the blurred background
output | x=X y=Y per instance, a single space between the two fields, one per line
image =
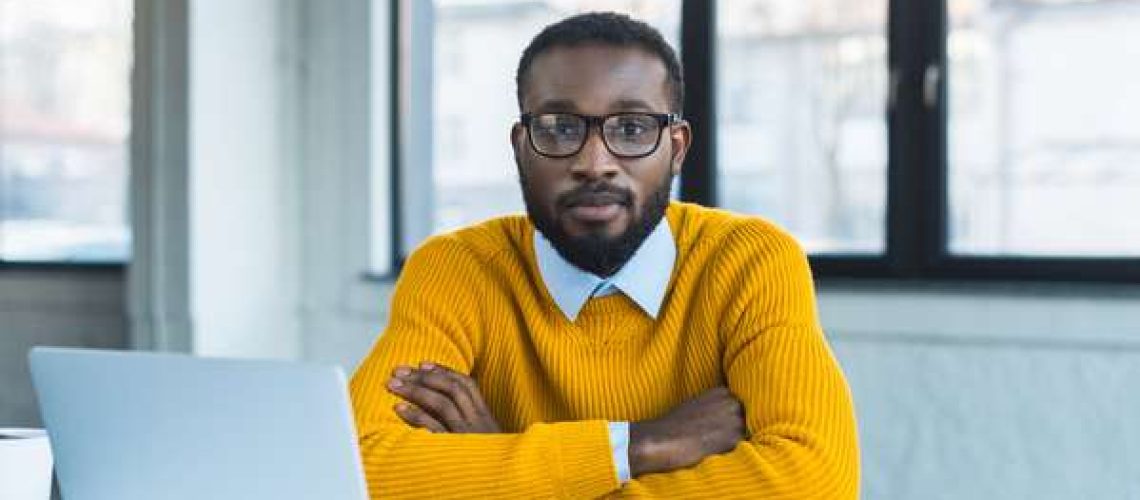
x=243 y=178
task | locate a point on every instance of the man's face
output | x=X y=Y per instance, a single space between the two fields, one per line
x=597 y=208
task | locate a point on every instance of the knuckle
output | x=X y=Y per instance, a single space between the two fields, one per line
x=431 y=378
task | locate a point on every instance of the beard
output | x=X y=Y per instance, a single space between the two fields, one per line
x=595 y=252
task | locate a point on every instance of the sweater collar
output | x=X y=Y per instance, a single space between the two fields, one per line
x=644 y=278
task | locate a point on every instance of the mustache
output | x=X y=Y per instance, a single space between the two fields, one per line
x=596 y=194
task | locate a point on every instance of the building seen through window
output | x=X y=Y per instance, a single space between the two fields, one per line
x=802 y=131
x=1044 y=147
x=64 y=125
x=802 y=98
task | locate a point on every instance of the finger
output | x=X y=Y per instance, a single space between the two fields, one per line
x=466 y=380
x=482 y=411
x=438 y=405
x=452 y=384
x=419 y=418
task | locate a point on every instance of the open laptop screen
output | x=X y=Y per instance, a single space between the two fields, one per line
x=131 y=425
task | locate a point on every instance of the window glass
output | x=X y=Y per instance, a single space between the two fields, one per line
x=802 y=131
x=64 y=90
x=1044 y=146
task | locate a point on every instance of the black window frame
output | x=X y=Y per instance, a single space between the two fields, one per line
x=917 y=246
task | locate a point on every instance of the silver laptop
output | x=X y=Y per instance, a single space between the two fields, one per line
x=143 y=426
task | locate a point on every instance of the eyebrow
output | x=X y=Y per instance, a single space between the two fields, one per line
x=632 y=105
x=558 y=105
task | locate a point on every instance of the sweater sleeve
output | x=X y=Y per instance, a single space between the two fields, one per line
x=434 y=316
x=798 y=408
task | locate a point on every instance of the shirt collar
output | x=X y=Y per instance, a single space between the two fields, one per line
x=644 y=278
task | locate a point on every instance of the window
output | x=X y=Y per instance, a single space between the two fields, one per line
x=803 y=133
x=64 y=89
x=966 y=139
x=1044 y=154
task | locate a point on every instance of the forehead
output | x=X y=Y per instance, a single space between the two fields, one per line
x=596 y=79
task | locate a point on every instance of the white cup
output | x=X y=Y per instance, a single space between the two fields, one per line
x=25 y=464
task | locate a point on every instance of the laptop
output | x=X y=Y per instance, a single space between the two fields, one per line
x=146 y=426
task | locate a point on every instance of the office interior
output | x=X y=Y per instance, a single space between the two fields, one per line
x=244 y=178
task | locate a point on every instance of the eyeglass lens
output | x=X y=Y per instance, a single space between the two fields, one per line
x=562 y=134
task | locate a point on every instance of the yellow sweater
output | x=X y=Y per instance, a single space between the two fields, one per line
x=740 y=311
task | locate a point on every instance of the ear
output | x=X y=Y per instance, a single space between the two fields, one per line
x=681 y=137
x=518 y=139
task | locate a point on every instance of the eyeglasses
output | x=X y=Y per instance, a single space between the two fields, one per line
x=626 y=135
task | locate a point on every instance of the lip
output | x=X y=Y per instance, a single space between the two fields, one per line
x=596 y=213
x=596 y=199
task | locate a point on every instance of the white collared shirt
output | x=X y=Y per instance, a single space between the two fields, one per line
x=644 y=278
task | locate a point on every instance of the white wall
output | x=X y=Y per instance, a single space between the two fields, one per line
x=214 y=179
x=242 y=190
x=335 y=149
x=992 y=392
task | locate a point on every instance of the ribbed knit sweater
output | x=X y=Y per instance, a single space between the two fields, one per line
x=740 y=311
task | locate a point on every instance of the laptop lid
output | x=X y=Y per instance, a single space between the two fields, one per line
x=144 y=426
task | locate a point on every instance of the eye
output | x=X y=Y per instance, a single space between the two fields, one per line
x=566 y=128
x=560 y=126
x=632 y=128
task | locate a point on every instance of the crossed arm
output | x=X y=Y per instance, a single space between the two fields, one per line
x=784 y=435
x=445 y=401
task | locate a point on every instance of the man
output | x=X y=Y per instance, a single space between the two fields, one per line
x=611 y=343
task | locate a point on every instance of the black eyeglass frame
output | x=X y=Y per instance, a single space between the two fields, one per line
x=664 y=120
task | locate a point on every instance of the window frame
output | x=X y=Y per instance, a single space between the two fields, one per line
x=917 y=243
x=62 y=265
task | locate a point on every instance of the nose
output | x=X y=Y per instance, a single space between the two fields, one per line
x=594 y=161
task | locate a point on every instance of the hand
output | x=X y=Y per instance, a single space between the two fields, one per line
x=709 y=424
x=442 y=400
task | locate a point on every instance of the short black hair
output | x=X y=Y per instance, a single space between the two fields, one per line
x=606 y=28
